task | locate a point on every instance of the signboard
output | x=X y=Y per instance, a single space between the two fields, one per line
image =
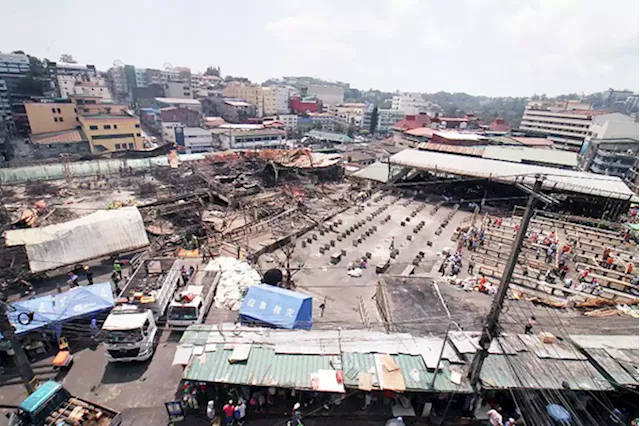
x=175 y=411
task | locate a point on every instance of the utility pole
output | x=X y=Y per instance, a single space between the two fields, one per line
x=19 y=357
x=491 y=325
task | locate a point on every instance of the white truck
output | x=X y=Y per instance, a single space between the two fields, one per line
x=130 y=331
x=191 y=305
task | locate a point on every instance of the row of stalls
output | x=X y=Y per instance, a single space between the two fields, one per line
x=40 y=322
x=373 y=373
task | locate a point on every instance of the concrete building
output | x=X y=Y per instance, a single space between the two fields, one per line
x=178 y=89
x=411 y=103
x=70 y=84
x=251 y=93
x=283 y=94
x=13 y=68
x=141 y=77
x=328 y=94
x=614 y=125
x=53 y=145
x=194 y=139
x=290 y=121
x=323 y=120
x=631 y=178
x=301 y=105
x=614 y=157
x=117 y=81
x=109 y=132
x=64 y=75
x=567 y=124
x=387 y=118
x=348 y=113
x=269 y=102
x=178 y=102
x=170 y=74
x=252 y=139
x=182 y=115
x=153 y=76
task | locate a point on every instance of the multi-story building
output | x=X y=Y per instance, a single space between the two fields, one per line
x=269 y=97
x=13 y=69
x=631 y=104
x=105 y=126
x=117 y=81
x=304 y=105
x=196 y=80
x=194 y=139
x=141 y=77
x=613 y=157
x=64 y=75
x=250 y=93
x=153 y=76
x=387 y=118
x=324 y=120
x=178 y=89
x=110 y=132
x=411 y=103
x=631 y=178
x=252 y=139
x=348 y=113
x=185 y=116
x=290 y=121
x=81 y=85
x=328 y=94
x=283 y=94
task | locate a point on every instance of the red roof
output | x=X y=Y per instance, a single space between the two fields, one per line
x=410 y=122
x=499 y=125
x=421 y=131
x=541 y=142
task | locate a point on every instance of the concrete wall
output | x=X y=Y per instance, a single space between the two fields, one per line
x=51 y=117
x=122 y=131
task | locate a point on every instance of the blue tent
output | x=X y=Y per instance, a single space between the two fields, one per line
x=277 y=307
x=75 y=303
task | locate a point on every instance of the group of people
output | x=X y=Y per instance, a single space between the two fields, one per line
x=73 y=278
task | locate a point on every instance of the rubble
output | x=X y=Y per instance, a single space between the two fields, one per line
x=236 y=277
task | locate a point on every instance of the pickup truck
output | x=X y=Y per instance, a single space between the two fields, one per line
x=51 y=404
x=191 y=305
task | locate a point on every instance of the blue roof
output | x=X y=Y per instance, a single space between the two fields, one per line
x=76 y=302
x=276 y=306
x=41 y=395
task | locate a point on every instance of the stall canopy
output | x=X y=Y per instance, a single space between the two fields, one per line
x=67 y=306
x=278 y=307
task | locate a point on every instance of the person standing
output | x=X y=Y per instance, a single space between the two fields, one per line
x=296 y=415
x=240 y=412
x=89 y=274
x=118 y=268
x=323 y=306
x=116 y=279
x=228 y=409
x=94 y=328
x=528 y=328
x=73 y=279
x=470 y=267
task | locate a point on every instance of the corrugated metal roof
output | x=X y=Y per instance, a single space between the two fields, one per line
x=526 y=370
x=98 y=234
x=617 y=356
x=454 y=149
x=603 y=342
x=377 y=171
x=262 y=368
x=414 y=372
x=621 y=372
x=558 y=179
x=525 y=154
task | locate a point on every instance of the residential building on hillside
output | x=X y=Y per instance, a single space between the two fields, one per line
x=141 y=77
x=153 y=76
x=631 y=104
x=252 y=139
x=178 y=89
x=196 y=80
x=411 y=104
x=328 y=94
x=117 y=82
x=178 y=102
x=234 y=110
x=323 y=120
x=348 y=113
x=614 y=157
x=614 y=125
x=185 y=116
x=170 y=74
x=63 y=76
x=83 y=85
x=250 y=93
x=109 y=132
x=307 y=104
x=631 y=178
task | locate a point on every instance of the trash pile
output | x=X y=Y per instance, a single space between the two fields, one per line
x=473 y=283
x=236 y=277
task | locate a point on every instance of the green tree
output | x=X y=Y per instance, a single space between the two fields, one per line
x=374 y=120
x=212 y=71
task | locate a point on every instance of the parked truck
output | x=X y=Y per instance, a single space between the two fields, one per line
x=130 y=331
x=51 y=404
x=191 y=305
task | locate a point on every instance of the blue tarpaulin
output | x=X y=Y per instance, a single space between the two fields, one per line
x=276 y=306
x=75 y=303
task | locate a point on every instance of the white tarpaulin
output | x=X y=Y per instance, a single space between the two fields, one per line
x=93 y=236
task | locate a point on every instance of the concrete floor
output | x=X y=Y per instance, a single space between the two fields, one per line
x=322 y=280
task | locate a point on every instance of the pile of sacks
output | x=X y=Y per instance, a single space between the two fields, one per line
x=237 y=276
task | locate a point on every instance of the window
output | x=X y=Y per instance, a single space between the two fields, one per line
x=77 y=119
x=108 y=110
x=93 y=127
x=85 y=109
x=117 y=146
x=75 y=110
x=138 y=134
x=61 y=119
x=131 y=146
x=59 y=111
x=106 y=126
x=55 y=119
x=137 y=126
x=53 y=110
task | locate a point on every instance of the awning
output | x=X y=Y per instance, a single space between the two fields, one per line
x=67 y=306
x=277 y=307
x=633 y=226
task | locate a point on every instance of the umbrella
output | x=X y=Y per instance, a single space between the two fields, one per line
x=558 y=413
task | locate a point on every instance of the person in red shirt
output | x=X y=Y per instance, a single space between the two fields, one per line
x=584 y=274
x=609 y=262
x=228 y=412
x=629 y=268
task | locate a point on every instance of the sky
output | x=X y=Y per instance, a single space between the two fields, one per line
x=482 y=47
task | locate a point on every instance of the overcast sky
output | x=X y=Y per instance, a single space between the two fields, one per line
x=482 y=47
